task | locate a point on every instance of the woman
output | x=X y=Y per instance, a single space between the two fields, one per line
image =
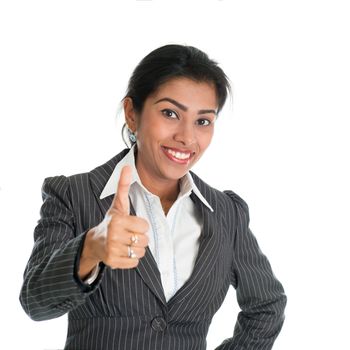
x=140 y=251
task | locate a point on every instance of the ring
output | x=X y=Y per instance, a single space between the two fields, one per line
x=131 y=253
x=134 y=239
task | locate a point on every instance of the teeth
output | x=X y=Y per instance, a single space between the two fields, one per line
x=179 y=155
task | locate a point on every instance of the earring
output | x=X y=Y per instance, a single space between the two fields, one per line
x=132 y=136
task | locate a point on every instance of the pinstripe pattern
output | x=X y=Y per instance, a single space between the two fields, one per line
x=126 y=309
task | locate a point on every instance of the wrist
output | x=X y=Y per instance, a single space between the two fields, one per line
x=88 y=258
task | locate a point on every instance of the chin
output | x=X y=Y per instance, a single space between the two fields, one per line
x=174 y=174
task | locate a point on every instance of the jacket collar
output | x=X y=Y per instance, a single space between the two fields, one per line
x=187 y=184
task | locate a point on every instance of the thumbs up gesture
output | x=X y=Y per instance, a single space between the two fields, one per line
x=120 y=240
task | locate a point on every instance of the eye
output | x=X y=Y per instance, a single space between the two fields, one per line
x=203 y=122
x=169 y=113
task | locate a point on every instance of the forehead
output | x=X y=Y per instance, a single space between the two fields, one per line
x=188 y=92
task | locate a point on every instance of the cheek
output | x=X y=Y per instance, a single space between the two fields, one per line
x=153 y=128
x=149 y=138
x=204 y=139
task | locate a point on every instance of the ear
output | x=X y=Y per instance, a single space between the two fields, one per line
x=130 y=114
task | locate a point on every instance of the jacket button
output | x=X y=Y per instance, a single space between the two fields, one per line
x=158 y=324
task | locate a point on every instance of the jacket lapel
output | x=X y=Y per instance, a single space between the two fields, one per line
x=149 y=272
x=99 y=177
x=147 y=267
x=209 y=244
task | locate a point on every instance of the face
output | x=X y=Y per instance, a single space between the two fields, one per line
x=174 y=129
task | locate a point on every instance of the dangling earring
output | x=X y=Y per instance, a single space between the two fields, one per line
x=131 y=135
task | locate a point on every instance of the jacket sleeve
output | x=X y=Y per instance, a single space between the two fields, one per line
x=259 y=294
x=51 y=286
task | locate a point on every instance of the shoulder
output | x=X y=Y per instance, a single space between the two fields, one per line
x=62 y=183
x=222 y=200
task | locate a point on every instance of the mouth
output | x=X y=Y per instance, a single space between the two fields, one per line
x=177 y=155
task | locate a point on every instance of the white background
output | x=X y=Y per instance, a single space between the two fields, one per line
x=283 y=144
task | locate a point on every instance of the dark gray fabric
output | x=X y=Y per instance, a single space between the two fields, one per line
x=126 y=309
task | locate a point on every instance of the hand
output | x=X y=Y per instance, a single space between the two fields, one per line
x=108 y=242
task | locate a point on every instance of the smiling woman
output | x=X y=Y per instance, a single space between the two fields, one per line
x=173 y=130
x=140 y=251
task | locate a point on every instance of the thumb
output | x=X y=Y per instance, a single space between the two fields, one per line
x=121 y=198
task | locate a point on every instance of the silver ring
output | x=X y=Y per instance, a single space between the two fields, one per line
x=134 y=239
x=131 y=253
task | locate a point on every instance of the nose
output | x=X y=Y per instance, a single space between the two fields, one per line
x=185 y=134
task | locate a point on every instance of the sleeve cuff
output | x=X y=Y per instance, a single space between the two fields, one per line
x=93 y=275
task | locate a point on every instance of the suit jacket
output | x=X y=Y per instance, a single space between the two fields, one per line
x=126 y=309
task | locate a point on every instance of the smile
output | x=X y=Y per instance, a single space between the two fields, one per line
x=177 y=156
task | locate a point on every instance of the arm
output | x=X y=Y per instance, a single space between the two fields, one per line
x=259 y=294
x=51 y=285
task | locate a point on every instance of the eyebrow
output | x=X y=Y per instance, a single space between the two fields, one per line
x=184 y=108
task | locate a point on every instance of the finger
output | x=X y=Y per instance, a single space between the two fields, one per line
x=121 y=198
x=123 y=251
x=124 y=263
x=136 y=224
x=128 y=224
x=135 y=252
x=117 y=244
x=135 y=240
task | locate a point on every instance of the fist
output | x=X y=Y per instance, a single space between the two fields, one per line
x=121 y=239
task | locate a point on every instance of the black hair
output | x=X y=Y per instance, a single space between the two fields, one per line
x=174 y=61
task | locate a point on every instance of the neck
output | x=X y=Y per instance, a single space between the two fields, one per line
x=164 y=190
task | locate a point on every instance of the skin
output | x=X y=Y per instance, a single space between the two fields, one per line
x=184 y=124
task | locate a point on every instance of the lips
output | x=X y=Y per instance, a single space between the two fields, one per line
x=178 y=155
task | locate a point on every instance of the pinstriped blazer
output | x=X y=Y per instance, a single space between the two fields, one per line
x=126 y=309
